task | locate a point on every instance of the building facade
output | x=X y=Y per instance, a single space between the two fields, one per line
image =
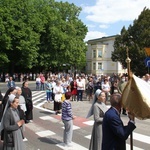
x=98 y=57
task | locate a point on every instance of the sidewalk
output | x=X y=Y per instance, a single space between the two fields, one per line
x=4 y=83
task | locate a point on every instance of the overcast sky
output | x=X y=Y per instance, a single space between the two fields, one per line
x=107 y=17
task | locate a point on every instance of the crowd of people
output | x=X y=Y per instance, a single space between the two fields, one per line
x=108 y=130
x=16 y=110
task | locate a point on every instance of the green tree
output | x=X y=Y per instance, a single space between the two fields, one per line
x=19 y=33
x=136 y=38
x=62 y=43
x=40 y=34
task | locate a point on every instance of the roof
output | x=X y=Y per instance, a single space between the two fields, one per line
x=101 y=39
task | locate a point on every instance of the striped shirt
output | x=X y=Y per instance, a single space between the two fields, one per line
x=66 y=110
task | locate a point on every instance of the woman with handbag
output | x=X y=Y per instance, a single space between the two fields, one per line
x=58 y=91
x=27 y=94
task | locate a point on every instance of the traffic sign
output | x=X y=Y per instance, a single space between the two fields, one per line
x=147 y=62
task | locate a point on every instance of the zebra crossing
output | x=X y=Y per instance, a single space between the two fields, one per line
x=39 y=98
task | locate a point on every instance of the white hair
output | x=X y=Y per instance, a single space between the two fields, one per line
x=17 y=88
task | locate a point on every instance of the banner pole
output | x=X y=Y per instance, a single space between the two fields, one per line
x=128 y=60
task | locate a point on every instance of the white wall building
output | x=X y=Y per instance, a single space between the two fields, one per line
x=98 y=57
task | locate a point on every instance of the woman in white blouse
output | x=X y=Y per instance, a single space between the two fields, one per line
x=58 y=91
x=106 y=88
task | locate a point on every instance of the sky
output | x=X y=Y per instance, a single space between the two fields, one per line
x=107 y=17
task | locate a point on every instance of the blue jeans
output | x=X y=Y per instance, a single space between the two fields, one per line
x=42 y=86
x=79 y=95
x=49 y=95
x=38 y=86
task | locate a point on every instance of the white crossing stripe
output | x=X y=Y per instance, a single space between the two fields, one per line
x=127 y=145
x=75 y=146
x=134 y=147
x=34 y=93
x=136 y=136
x=39 y=95
x=49 y=118
x=45 y=133
x=39 y=99
x=88 y=136
x=44 y=109
x=25 y=139
x=41 y=104
x=141 y=137
x=90 y=122
x=34 y=127
x=74 y=127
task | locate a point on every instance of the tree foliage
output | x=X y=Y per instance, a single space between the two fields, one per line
x=136 y=38
x=19 y=39
x=40 y=34
x=62 y=43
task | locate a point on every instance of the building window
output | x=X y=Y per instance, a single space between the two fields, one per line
x=94 y=53
x=99 y=66
x=94 y=66
x=99 y=53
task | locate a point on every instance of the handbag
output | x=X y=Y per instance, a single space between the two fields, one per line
x=63 y=97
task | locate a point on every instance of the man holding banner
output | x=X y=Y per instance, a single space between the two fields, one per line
x=115 y=133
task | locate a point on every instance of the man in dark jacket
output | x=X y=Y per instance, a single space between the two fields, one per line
x=115 y=133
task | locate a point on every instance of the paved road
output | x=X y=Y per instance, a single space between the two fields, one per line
x=3 y=85
x=46 y=130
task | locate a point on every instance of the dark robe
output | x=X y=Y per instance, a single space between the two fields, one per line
x=26 y=92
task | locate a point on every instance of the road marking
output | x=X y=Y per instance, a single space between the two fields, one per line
x=37 y=100
x=127 y=145
x=44 y=109
x=88 y=136
x=90 y=122
x=41 y=104
x=25 y=139
x=45 y=133
x=141 y=137
x=75 y=146
x=34 y=127
x=49 y=118
x=74 y=127
x=41 y=95
x=134 y=147
x=38 y=92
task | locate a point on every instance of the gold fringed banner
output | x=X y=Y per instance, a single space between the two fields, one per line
x=136 y=97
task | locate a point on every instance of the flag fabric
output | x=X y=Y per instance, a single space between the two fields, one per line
x=136 y=97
